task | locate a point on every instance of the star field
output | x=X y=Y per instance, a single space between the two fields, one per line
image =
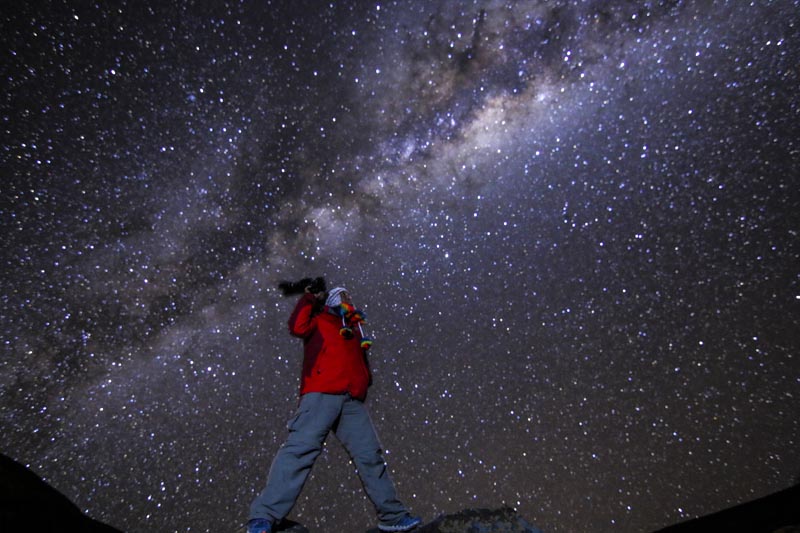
x=572 y=225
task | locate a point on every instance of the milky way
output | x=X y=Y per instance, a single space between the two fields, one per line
x=572 y=226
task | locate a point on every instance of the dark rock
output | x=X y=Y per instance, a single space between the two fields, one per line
x=477 y=521
x=27 y=504
x=289 y=526
x=776 y=513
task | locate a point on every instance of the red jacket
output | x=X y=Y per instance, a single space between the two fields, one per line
x=331 y=364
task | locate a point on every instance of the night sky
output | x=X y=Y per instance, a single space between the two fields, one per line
x=573 y=227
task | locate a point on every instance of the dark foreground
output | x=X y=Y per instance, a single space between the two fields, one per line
x=27 y=504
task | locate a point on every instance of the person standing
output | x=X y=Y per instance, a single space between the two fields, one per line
x=333 y=387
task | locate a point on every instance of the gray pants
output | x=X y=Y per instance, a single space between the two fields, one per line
x=316 y=416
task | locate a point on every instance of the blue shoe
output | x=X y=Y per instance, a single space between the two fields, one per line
x=407 y=523
x=259 y=525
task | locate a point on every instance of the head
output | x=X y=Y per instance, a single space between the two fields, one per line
x=337 y=296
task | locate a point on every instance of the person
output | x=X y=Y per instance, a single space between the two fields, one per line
x=333 y=387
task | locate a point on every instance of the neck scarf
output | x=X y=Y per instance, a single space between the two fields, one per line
x=351 y=318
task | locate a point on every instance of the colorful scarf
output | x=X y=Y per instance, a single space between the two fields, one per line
x=352 y=318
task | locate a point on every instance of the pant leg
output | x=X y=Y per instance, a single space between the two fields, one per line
x=312 y=422
x=357 y=433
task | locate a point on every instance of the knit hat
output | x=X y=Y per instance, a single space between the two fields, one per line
x=335 y=297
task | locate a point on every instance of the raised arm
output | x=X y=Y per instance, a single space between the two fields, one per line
x=302 y=323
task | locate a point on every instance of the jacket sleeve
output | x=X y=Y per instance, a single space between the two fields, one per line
x=302 y=323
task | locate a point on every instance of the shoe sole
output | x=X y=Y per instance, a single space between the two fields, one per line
x=391 y=529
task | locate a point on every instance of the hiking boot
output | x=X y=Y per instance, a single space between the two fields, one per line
x=259 y=525
x=407 y=523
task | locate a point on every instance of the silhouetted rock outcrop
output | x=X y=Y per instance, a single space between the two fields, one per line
x=28 y=504
x=477 y=521
x=289 y=526
x=776 y=513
